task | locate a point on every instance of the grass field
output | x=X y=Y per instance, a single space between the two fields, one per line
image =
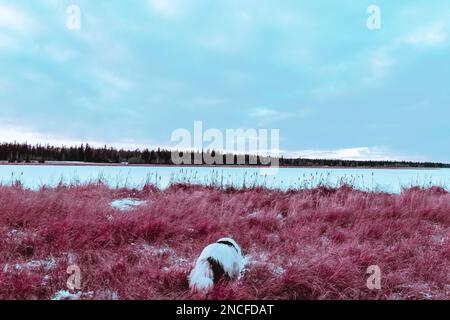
x=306 y=244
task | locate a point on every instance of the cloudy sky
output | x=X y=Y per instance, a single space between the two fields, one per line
x=138 y=70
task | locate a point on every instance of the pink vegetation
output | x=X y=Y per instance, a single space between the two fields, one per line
x=308 y=244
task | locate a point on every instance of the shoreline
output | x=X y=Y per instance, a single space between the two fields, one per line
x=92 y=164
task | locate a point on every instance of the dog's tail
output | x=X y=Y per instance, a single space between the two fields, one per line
x=201 y=278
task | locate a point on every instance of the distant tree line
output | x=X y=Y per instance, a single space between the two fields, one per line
x=15 y=152
x=25 y=153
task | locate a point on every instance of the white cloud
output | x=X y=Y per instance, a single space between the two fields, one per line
x=361 y=153
x=115 y=81
x=218 y=39
x=14 y=24
x=13 y=19
x=264 y=115
x=381 y=63
x=379 y=66
x=244 y=16
x=110 y=87
x=10 y=132
x=166 y=8
x=329 y=91
x=434 y=34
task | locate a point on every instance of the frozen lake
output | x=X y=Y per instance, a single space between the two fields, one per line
x=389 y=180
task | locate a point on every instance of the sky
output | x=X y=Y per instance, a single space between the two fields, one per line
x=135 y=71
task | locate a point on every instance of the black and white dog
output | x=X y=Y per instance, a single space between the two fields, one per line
x=222 y=259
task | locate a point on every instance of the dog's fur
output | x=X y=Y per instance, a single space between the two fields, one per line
x=222 y=259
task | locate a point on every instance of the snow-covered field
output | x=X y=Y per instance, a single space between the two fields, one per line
x=389 y=180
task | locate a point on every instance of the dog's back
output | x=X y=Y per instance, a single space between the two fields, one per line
x=218 y=260
x=217 y=270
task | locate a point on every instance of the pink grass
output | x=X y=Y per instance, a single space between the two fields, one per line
x=308 y=244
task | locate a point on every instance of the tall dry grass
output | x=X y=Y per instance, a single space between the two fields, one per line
x=307 y=244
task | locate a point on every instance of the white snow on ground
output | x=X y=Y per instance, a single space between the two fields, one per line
x=253 y=214
x=102 y=295
x=107 y=295
x=71 y=258
x=136 y=177
x=425 y=287
x=262 y=258
x=127 y=203
x=155 y=251
x=67 y=295
x=280 y=217
x=15 y=235
x=47 y=264
x=175 y=262
x=439 y=233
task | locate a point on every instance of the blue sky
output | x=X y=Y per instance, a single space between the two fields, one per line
x=137 y=70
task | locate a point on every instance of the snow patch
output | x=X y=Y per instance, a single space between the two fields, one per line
x=107 y=294
x=15 y=235
x=262 y=258
x=440 y=233
x=127 y=203
x=67 y=295
x=47 y=264
x=174 y=261
x=157 y=251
